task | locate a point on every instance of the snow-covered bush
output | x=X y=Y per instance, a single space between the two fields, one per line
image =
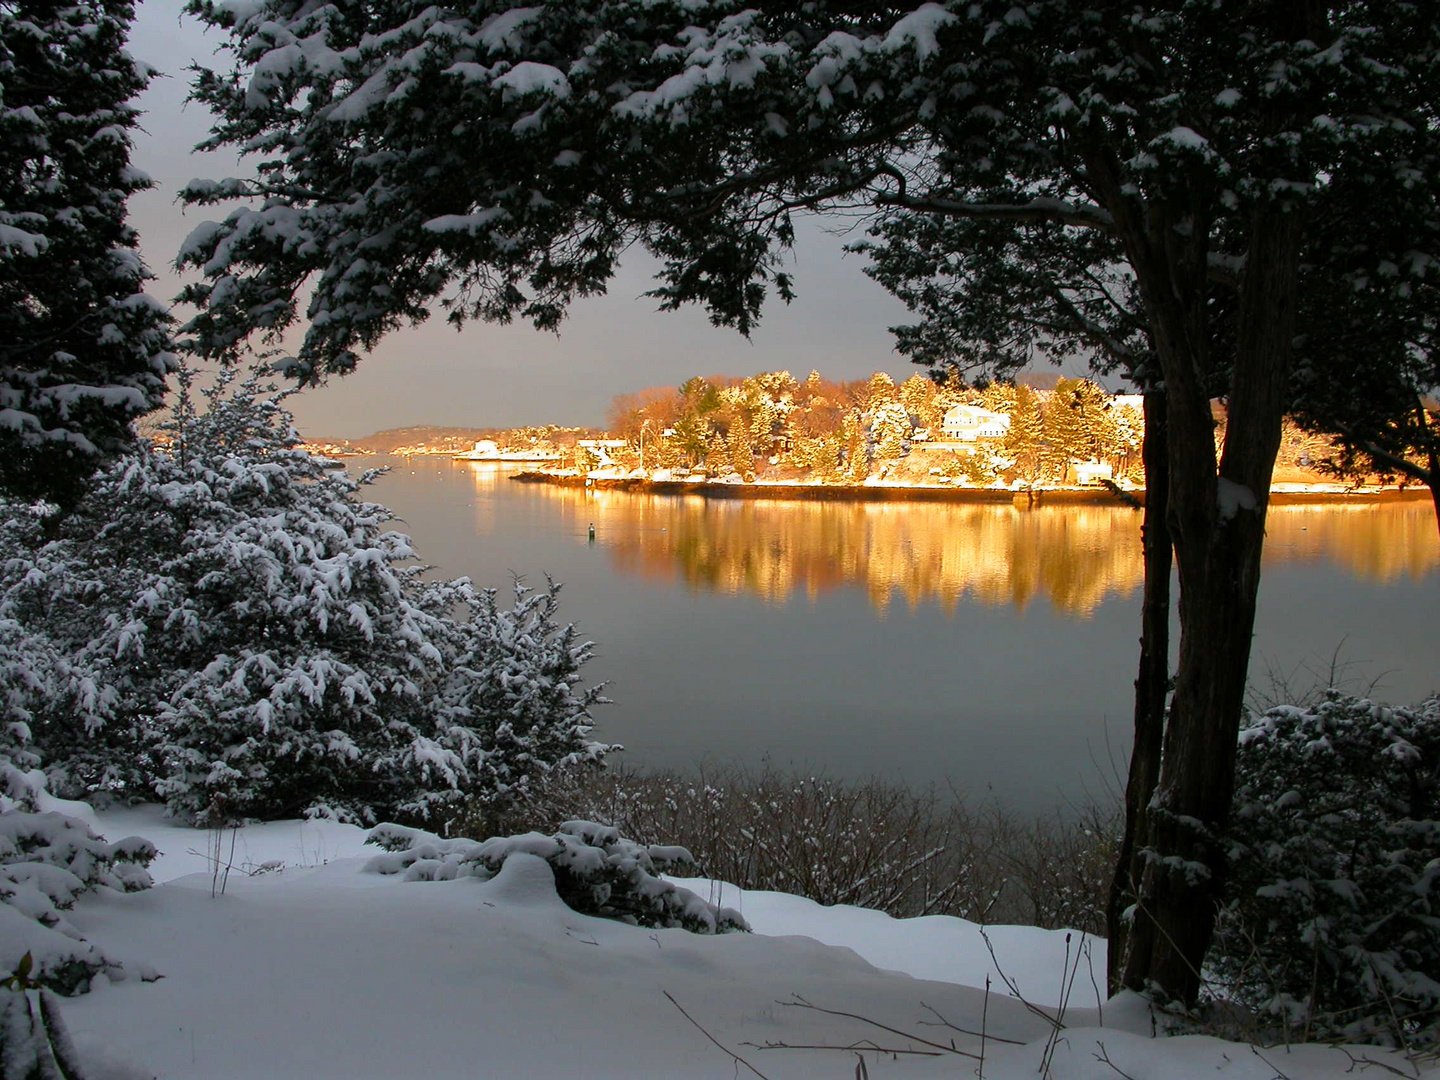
x=1333 y=916
x=244 y=637
x=47 y=860
x=512 y=697
x=34 y=1041
x=597 y=872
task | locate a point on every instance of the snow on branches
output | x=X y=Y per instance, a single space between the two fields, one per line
x=592 y=868
x=47 y=860
x=1333 y=921
x=247 y=639
x=83 y=349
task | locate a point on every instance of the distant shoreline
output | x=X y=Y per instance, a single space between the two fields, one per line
x=903 y=493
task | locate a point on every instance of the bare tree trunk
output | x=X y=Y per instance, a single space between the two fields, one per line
x=1432 y=441
x=1151 y=684
x=1217 y=523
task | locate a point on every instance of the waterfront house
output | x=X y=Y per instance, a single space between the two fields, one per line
x=970 y=423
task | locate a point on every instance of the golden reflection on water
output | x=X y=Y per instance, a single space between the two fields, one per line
x=998 y=555
x=1382 y=543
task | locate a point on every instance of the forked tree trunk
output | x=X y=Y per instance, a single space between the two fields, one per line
x=1217 y=524
x=1151 y=684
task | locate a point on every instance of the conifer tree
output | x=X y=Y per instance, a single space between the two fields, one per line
x=857 y=450
x=918 y=394
x=890 y=430
x=83 y=350
x=1066 y=432
x=1025 y=438
x=251 y=640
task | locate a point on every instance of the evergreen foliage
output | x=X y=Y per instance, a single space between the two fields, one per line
x=1332 y=922
x=34 y=1041
x=83 y=350
x=597 y=871
x=248 y=639
x=47 y=861
x=890 y=429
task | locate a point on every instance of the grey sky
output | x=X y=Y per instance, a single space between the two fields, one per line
x=490 y=375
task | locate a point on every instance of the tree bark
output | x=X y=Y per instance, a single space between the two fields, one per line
x=1217 y=523
x=1151 y=684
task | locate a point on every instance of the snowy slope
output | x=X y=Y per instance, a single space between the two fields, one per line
x=321 y=970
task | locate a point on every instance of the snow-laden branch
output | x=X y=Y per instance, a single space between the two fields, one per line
x=1081 y=215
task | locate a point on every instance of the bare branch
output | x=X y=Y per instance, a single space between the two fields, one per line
x=734 y=1056
x=801 y=1003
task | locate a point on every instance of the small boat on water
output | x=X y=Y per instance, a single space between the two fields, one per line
x=485 y=450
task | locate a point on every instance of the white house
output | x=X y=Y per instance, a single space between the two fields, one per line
x=967 y=423
x=600 y=450
x=1092 y=473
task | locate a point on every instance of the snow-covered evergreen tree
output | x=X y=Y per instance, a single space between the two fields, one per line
x=1332 y=922
x=83 y=350
x=251 y=640
x=890 y=430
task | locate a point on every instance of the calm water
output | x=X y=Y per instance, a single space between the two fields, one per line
x=984 y=646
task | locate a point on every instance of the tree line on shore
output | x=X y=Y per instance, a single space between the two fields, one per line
x=848 y=431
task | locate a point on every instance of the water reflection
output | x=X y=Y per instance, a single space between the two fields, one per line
x=1384 y=543
x=1076 y=557
x=997 y=555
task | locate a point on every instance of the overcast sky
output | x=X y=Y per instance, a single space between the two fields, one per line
x=508 y=376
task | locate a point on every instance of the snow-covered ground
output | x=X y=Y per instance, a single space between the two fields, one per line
x=313 y=968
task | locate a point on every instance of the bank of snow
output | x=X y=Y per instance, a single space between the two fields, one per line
x=307 y=966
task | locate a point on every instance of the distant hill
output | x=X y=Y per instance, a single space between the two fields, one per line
x=431 y=435
x=433 y=438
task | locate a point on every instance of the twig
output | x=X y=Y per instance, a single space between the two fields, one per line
x=1014 y=988
x=225 y=881
x=941 y=1021
x=734 y=1056
x=1067 y=977
x=1094 y=985
x=801 y=1003
x=984 y=1021
x=1364 y=1062
x=1104 y=1056
x=852 y=1048
x=1279 y=1075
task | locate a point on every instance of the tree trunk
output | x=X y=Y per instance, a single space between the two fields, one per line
x=1432 y=474
x=1217 y=523
x=1151 y=684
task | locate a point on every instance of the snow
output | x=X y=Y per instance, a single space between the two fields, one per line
x=502 y=33
x=27 y=243
x=918 y=30
x=528 y=77
x=1231 y=498
x=307 y=966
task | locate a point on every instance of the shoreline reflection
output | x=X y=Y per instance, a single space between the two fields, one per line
x=1075 y=556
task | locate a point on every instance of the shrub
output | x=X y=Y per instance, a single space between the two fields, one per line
x=1332 y=921
x=867 y=842
x=47 y=861
x=244 y=637
x=597 y=872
